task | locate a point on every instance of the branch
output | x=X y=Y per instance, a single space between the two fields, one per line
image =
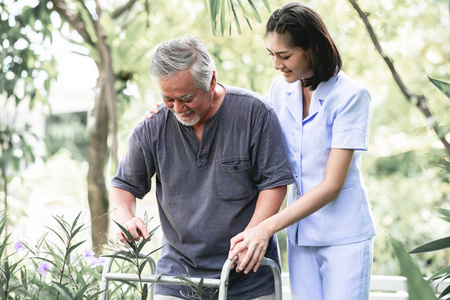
x=123 y=9
x=75 y=21
x=420 y=101
x=83 y=4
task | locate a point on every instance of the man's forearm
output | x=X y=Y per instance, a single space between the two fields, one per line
x=268 y=203
x=123 y=204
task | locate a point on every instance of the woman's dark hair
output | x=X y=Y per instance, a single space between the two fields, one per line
x=304 y=28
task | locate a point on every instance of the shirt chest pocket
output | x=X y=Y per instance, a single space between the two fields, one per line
x=233 y=179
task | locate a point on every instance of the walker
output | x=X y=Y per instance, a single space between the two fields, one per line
x=222 y=283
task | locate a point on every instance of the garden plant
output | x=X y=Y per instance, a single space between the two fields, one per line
x=48 y=270
x=418 y=287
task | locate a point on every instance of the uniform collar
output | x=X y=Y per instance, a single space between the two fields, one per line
x=294 y=98
x=324 y=88
x=293 y=101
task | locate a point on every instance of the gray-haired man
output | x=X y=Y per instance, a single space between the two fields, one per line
x=219 y=158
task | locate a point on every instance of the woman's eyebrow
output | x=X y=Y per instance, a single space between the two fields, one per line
x=279 y=52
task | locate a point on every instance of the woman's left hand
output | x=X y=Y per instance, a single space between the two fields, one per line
x=255 y=240
x=149 y=113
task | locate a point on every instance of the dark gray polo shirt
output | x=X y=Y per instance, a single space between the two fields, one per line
x=207 y=191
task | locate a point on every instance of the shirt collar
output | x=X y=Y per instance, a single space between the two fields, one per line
x=324 y=88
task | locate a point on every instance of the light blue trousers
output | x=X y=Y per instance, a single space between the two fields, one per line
x=339 y=272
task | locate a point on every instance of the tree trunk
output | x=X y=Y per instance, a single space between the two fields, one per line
x=97 y=158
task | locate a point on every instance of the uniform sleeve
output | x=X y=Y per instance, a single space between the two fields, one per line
x=136 y=169
x=350 y=127
x=269 y=156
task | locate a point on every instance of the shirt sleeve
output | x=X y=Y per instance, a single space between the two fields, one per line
x=136 y=169
x=269 y=155
x=350 y=128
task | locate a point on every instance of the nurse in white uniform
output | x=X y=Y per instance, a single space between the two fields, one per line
x=324 y=115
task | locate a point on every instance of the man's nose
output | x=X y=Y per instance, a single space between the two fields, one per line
x=179 y=106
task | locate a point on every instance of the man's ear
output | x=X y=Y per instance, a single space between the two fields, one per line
x=213 y=80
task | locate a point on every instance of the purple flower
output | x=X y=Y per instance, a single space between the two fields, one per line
x=44 y=267
x=99 y=261
x=18 y=246
x=91 y=259
x=88 y=254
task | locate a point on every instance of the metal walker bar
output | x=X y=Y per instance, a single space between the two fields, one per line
x=222 y=283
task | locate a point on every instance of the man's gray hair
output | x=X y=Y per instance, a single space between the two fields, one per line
x=184 y=53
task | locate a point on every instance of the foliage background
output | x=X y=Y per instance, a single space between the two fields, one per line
x=403 y=168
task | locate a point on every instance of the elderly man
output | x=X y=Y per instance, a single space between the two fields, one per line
x=219 y=158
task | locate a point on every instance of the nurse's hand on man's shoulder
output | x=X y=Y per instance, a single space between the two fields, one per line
x=149 y=113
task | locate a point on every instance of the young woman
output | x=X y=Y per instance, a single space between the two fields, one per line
x=324 y=116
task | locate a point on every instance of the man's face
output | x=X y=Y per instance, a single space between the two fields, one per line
x=189 y=103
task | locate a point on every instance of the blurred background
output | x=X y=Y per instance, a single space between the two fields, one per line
x=74 y=82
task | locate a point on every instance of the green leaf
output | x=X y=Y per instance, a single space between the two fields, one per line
x=445 y=292
x=127 y=282
x=446 y=219
x=128 y=234
x=433 y=246
x=63 y=290
x=145 y=292
x=6 y=269
x=74 y=233
x=443 y=212
x=80 y=294
x=62 y=225
x=443 y=86
x=418 y=288
x=94 y=296
x=142 y=266
x=153 y=230
x=200 y=286
x=73 y=247
x=121 y=257
x=153 y=251
x=142 y=244
x=266 y=4
x=255 y=11
x=74 y=223
x=236 y=19
x=222 y=16
x=439 y=274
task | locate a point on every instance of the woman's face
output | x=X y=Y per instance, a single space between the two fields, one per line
x=293 y=62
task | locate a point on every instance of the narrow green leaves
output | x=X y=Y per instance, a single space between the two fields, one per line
x=225 y=13
x=418 y=288
x=443 y=86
